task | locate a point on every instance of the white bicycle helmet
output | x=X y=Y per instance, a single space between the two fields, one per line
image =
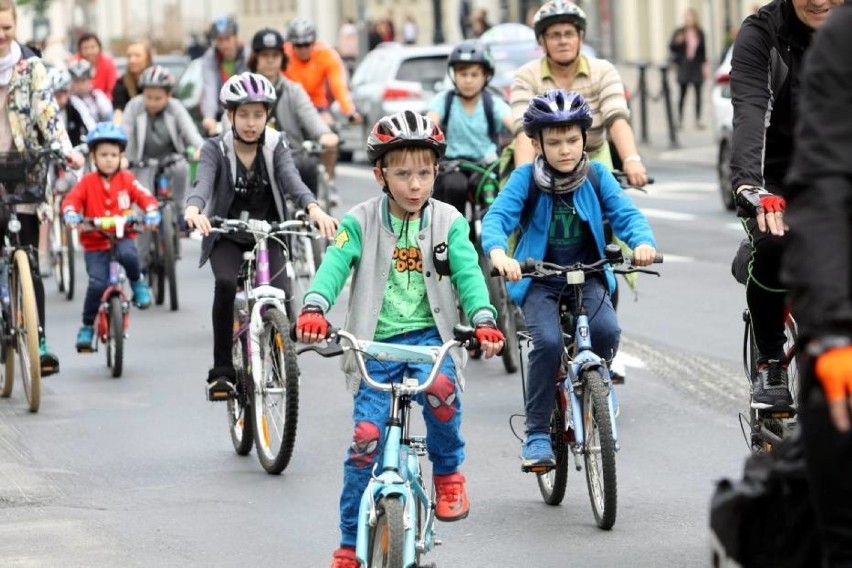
x=301 y=31
x=156 y=76
x=80 y=69
x=247 y=88
x=60 y=79
x=557 y=12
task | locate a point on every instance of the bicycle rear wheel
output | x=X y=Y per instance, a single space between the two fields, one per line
x=239 y=407
x=169 y=253
x=387 y=538
x=25 y=318
x=115 y=337
x=155 y=269
x=552 y=483
x=276 y=399
x=68 y=252
x=599 y=450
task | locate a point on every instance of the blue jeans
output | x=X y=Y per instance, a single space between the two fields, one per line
x=541 y=310
x=97 y=265
x=441 y=412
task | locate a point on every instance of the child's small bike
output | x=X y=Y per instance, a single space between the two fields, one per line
x=396 y=518
x=265 y=407
x=583 y=420
x=113 y=317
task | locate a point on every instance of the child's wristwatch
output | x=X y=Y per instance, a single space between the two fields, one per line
x=632 y=158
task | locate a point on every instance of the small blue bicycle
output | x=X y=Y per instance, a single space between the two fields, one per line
x=396 y=519
x=583 y=419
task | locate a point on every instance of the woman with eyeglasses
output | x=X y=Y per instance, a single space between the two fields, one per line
x=560 y=28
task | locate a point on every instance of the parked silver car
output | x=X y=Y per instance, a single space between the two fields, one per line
x=391 y=78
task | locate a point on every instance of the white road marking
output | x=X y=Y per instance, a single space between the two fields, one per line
x=667 y=215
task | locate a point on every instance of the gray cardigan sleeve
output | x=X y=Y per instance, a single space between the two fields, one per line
x=287 y=177
x=186 y=127
x=312 y=122
x=128 y=123
x=205 y=179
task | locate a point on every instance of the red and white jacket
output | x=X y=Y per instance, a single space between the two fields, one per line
x=92 y=197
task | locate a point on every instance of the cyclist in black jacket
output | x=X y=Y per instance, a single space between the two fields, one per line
x=765 y=72
x=818 y=268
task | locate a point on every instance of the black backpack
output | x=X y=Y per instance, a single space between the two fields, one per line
x=487 y=106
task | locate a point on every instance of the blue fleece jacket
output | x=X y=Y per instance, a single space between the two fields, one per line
x=608 y=201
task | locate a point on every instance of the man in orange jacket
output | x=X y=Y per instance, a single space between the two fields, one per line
x=314 y=64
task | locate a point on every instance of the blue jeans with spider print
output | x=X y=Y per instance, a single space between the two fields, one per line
x=441 y=412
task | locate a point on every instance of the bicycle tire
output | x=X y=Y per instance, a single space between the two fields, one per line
x=602 y=484
x=115 y=336
x=55 y=248
x=387 y=538
x=68 y=261
x=169 y=257
x=156 y=273
x=552 y=484
x=26 y=312
x=499 y=298
x=318 y=247
x=9 y=371
x=280 y=376
x=240 y=423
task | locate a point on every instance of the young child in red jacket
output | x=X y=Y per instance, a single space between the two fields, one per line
x=106 y=192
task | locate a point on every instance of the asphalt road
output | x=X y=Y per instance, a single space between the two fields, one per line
x=139 y=471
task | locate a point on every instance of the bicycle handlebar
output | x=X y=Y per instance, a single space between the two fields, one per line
x=111 y=225
x=157 y=163
x=532 y=268
x=314 y=148
x=257 y=226
x=622 y=180
x=462 y=337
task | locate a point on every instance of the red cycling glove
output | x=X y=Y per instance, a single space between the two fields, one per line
x=488 y=332
x=834 y=371
x=312 y=320
x=772 y=203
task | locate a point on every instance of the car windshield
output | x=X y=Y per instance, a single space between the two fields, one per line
x=425 y=70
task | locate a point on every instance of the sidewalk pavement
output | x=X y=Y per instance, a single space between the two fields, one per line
x=695 y=146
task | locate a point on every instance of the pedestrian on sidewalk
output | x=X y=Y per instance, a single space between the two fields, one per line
x=688 y=51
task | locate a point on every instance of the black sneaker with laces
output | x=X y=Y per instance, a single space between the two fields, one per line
x=769 y=389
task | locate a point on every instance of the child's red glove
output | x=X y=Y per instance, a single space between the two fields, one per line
x=488 y=332
x=834 y=371
x=312 y=321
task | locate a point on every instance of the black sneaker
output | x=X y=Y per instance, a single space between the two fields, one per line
x=769 y=389
x=221 y=383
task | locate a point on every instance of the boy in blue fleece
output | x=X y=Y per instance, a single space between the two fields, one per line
x=565 y=227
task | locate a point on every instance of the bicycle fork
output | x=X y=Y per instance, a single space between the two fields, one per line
x=584 y=360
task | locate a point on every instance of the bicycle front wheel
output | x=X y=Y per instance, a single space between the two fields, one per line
x=67 y=267
x=599 y=450
x=552 y=483
x=25 y=318
x=239 y=407
x=115 y=337
x=169 y=238
x=387 y=538
x=276 y=395
x=505 y=315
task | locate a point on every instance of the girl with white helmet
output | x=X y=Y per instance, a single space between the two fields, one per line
x=248 y=168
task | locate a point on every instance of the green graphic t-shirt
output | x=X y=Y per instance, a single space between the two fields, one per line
x=405 y=307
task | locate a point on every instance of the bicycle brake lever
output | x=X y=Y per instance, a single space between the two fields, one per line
x=330 y=349
x=634 y=269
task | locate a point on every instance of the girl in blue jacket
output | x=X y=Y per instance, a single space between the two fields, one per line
x=565 y=226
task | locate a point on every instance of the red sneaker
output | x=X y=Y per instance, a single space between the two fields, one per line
x=451 y=497
x=344 y=557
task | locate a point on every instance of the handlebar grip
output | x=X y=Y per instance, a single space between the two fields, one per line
x=658 y=259
x=528 y=266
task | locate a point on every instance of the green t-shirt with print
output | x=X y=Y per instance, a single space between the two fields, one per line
x=405 y=307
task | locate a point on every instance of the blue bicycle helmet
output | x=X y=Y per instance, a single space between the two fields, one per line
x=556 y=107
x=106 y=132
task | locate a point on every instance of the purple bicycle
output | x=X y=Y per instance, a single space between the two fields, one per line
x=265 y=408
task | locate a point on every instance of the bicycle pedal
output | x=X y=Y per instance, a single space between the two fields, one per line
x=85 y=349
x=537 y=469
x=220 y=395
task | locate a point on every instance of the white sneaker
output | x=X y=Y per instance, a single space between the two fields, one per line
x=617 y=370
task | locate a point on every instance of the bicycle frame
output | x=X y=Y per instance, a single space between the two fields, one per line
x=400 y=471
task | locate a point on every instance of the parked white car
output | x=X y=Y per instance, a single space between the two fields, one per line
x=723 y=126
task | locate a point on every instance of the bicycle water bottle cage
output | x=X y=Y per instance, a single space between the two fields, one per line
x=575 y=277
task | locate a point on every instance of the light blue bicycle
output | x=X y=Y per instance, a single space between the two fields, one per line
x=583 y=420
x=396 y=518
